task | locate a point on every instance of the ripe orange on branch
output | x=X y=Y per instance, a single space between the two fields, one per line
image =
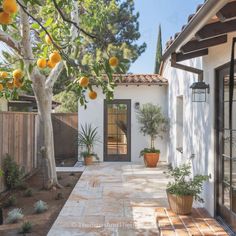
x=5 y=18
x=50 y=64
x=18 y=74
x=42 y=63
x=9 y=6
x=113 y=61
x=1 y=87
x=3 y=74
x=84 y=81
x=10 y=85
x=17 y=83
x=55 y=57
x=92 y=95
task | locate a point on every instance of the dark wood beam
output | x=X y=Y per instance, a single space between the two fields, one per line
x=215 y=29
x=227 y=12
x=196 y=45
x=182 y=57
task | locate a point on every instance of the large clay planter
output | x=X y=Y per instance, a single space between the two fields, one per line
x=151 y=159
x=181 y=205
x=88 y=160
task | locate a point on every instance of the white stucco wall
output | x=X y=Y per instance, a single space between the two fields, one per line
x=199 y=120
x=142 y=94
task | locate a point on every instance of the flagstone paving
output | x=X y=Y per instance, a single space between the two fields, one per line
x=120 y=199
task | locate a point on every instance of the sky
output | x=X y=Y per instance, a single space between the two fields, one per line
x=171 y=14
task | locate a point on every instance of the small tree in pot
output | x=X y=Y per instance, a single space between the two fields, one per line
x=87 y=138
x=183 y=189
x=154 y=124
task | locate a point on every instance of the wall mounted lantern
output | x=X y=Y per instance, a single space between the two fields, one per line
x=136 y=105
x=199 y=91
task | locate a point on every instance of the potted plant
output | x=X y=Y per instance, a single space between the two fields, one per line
x=87 y=138
x=154 y=124
x=183 y=189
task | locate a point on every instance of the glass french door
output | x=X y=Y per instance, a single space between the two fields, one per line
x=117 y=130
x=226 y=150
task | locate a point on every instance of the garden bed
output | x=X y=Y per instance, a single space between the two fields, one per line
x=41 y=222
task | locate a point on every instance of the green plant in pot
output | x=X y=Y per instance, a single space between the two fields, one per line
x=87 y=138
x=183 y=189
x=153 y=124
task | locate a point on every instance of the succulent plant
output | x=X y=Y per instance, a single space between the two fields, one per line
x=40 y=207
x=26 y=228
x=28 y=192
x=11 y=201
x=14 y=216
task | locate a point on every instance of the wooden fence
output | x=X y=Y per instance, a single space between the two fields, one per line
x=65 y=130
x=18 y=137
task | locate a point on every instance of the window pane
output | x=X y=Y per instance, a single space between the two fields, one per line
x=226 y=196
x=122 y=149
x=226 y=143
x=226 y=170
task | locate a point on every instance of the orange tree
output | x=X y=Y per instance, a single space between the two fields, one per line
x=43 y=38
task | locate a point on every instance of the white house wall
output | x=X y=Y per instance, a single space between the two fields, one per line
x=199 y=120
x=94 y=114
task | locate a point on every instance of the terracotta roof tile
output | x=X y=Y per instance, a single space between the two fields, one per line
x=136 y=79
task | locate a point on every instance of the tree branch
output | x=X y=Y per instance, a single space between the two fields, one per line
x=24 y=8
x=7 y=39
x=54 y=74
x=72 y=22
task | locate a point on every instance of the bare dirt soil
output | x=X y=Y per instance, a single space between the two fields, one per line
x=41 y=222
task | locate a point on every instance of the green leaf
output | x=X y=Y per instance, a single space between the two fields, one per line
x=35 y=26
x=48 y=22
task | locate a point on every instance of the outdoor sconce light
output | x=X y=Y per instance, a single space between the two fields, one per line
x=137 y=105
x=199 y=91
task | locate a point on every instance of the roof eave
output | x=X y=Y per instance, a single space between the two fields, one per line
x=209 y=9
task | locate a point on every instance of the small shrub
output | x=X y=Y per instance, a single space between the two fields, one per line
x=69 y=185
x=26 y=228
x=13 y=174
x=11 y=201
x=14 y=216
x=59 y=196
x=40 y=207
x=28 y=192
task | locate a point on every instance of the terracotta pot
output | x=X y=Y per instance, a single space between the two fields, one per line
x=181 y=205
x=151 y=159
x=88 y=160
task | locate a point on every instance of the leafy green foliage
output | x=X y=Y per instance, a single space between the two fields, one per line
x=116 y=25
x=149 y=150
x=26 y=227
x=183 y=184
x=87 y=138
x=13 y=174
x=28 y=192
x=14 y=216
x=158 y=52
x=40 y=207
x=11 y=201
x=68 y=100
x=152 y=122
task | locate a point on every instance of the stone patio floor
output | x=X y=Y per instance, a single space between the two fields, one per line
x=126 y=199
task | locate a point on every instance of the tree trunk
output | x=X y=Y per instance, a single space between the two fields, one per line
x=43 y=95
